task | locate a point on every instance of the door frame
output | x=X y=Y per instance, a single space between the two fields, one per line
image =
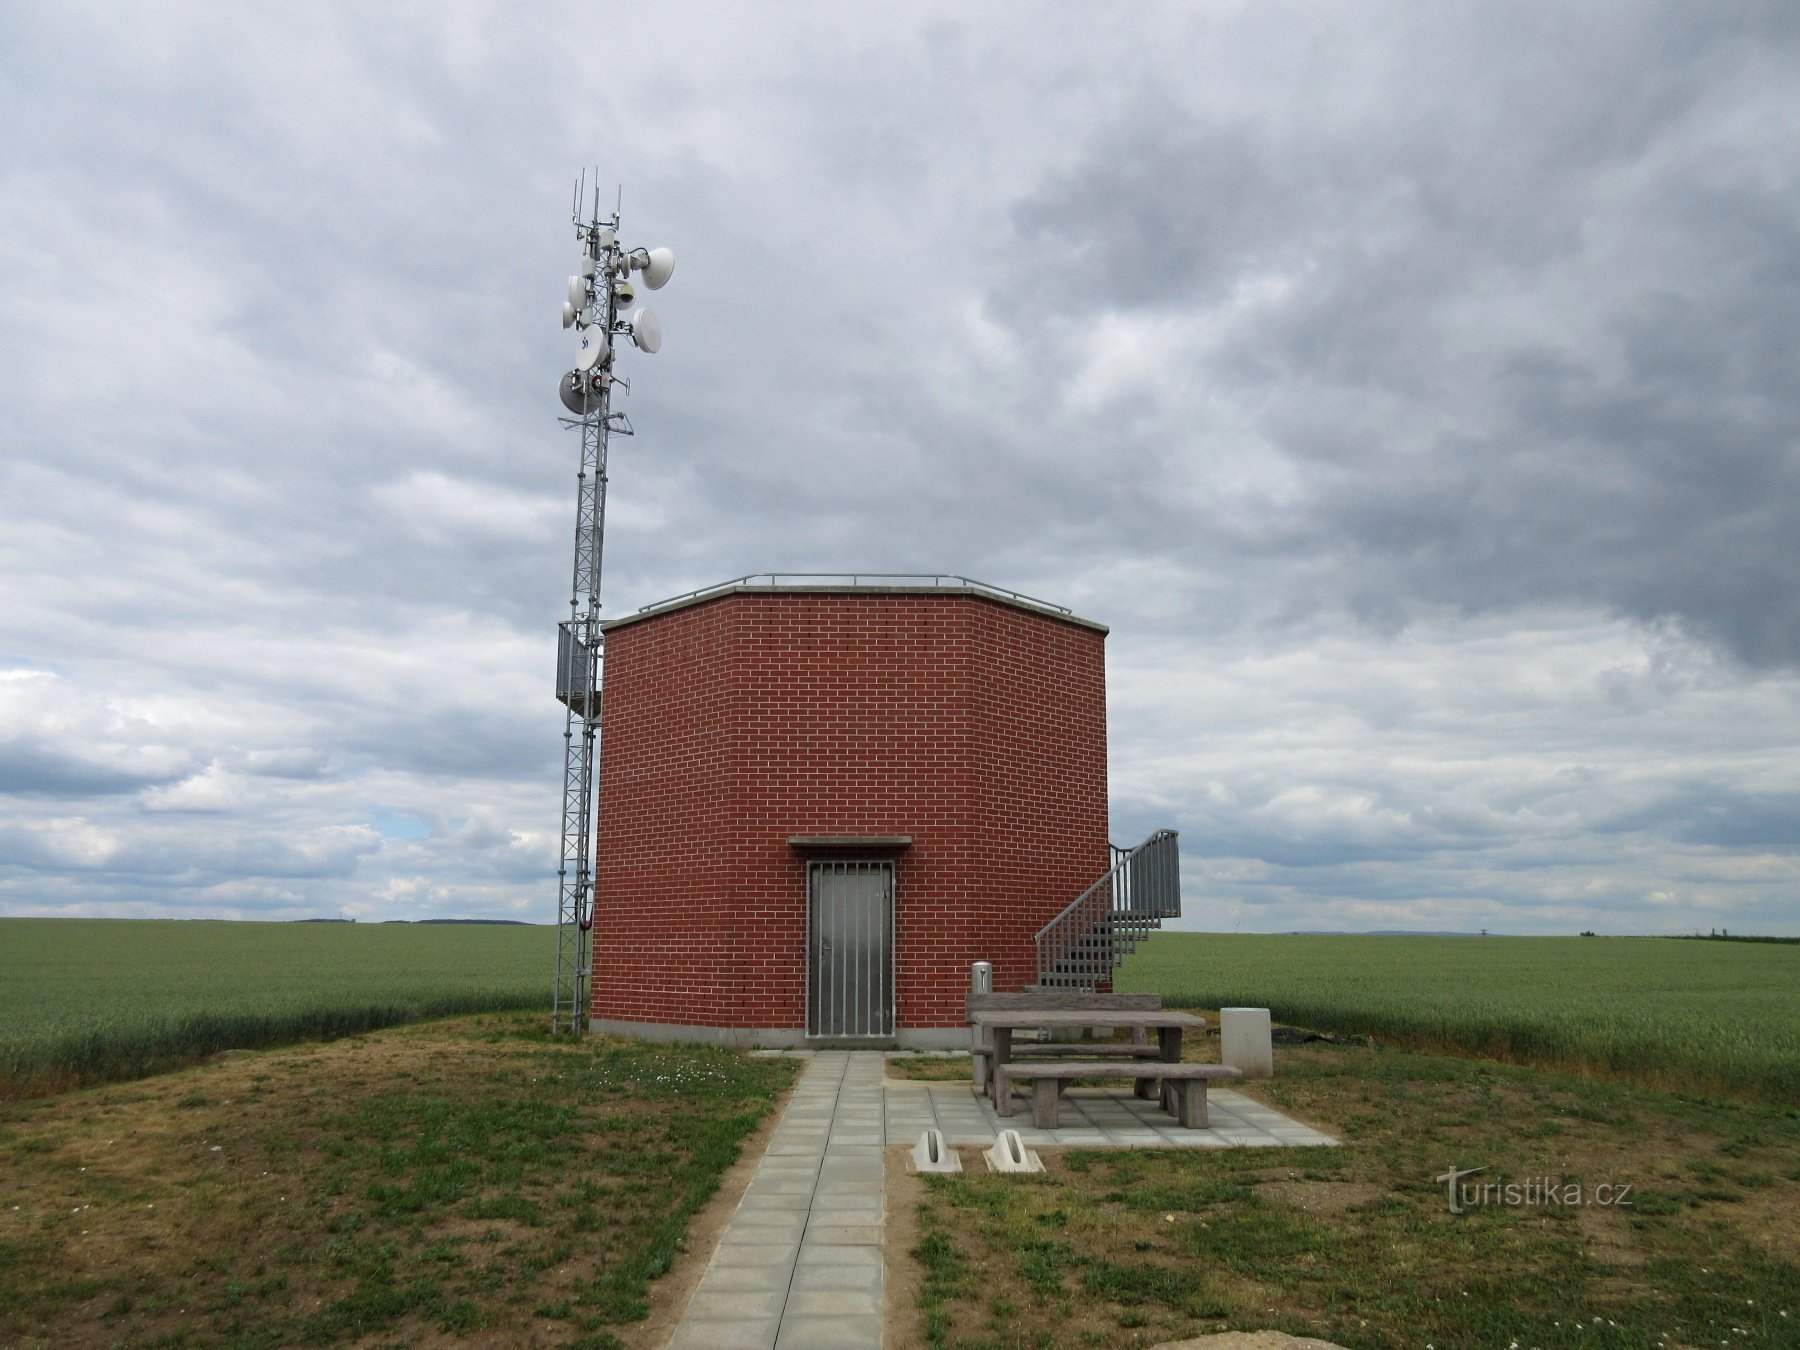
x=814 y=1016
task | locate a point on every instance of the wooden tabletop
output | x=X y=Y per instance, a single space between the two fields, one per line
x=1076 y=1017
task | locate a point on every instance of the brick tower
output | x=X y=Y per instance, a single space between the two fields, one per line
x=820 y=802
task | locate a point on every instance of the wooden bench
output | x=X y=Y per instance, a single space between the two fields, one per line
x=1185 y=1084
x=1060 y=1000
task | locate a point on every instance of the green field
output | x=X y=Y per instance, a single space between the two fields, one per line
x=1696 y=1017
x=91 y=1000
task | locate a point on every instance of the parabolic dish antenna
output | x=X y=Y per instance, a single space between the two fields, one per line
x=568 y=314
x=659 y=269
x=646 y=330
x=575 y=394
x=591 y=349
x=577 y=292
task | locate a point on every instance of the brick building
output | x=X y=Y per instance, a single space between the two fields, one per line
x=820 y=802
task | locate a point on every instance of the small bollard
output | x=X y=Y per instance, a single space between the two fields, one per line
x=1245 y=1043
x=932 y=1154
x=1009 y=1154
x=981 y=981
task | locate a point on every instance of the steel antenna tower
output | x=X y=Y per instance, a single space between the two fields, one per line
x=596 y=303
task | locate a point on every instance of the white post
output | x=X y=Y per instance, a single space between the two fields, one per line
x=1245 y=1042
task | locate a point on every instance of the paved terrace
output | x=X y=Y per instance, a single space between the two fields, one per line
x=800 y=1263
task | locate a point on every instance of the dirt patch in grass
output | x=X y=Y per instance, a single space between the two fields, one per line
x=467 y=1181
x=901 y=1274
x=1320 y=1197
x=1606 y=1236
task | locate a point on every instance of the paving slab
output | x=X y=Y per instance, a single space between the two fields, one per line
x=698 y=1334
x=844 y=1255
x=797 y=1201
x=853 y=1234
x=801 y=1332
x=736 y=1279
x=782 y=1253
x=837 y=1277
x=736 y=1305
x=835 y=1302
x=861 y=1211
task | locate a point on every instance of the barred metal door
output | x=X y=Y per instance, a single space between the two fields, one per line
x=850 y=949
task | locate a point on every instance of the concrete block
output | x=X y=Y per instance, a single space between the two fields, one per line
x=1245 y=1043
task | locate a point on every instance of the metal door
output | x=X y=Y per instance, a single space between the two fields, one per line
x=850 y=949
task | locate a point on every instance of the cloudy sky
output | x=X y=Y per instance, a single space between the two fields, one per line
x=1412 y=388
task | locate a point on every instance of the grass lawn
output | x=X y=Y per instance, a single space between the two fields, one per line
x=99 y=1000
x=1711 y=1017
x=467 y=1178
x=1358 y=1245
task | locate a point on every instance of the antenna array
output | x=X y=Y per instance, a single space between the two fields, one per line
x=595 y=303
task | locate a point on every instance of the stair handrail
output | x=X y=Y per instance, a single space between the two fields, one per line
x=1143 y=884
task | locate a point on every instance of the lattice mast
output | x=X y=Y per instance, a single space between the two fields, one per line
x=598 y=297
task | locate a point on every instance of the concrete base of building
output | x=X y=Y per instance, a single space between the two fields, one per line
x=780 y=1038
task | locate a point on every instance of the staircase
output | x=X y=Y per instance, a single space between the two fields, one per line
x=1081 y=947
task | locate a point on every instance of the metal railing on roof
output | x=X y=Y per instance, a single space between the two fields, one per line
x=873 y=579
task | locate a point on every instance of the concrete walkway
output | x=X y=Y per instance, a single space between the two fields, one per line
x=799 y=1264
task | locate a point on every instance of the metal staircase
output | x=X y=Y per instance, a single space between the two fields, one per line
x=1081 y=947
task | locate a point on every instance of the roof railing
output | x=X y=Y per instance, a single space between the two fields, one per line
x=834 y=579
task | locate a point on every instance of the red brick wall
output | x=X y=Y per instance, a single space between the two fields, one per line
x=974 y=726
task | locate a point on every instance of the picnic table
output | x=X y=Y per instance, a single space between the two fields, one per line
x=1168 y=1025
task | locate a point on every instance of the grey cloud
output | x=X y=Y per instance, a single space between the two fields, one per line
x=185 y=858
x=1719 y=817
x=1634 y=450
x=286 y=762
x=40 y=770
